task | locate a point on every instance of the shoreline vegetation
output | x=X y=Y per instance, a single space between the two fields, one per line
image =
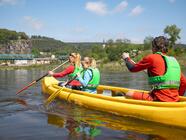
x=108 y=66
x=107 y=53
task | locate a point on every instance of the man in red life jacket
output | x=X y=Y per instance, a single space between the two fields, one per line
x=163 y=71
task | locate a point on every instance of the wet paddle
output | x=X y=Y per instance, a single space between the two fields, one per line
x=35 y=81
x=55 y=94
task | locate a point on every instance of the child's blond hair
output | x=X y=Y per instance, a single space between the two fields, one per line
x=77 y=57
x=92 y=61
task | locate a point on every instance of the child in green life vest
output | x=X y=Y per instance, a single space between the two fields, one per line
x=90 y=77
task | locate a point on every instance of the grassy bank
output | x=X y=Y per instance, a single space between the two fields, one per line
x=51 y=66
x=112 y=66
x=109 y=66
x=120 y=66
x=182 y=61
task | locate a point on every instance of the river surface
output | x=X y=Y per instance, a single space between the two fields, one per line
x=24 y=116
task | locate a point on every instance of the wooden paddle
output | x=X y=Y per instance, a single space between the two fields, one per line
x=35 y=81
x=55 y=94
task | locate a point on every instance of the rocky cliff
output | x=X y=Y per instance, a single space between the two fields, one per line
x=20 y=46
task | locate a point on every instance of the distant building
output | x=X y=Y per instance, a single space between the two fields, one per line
x=24 y=59
x=53 y=56
x=104 y=44
x=17 y=59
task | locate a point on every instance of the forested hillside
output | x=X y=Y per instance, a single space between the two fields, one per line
x=106 y=51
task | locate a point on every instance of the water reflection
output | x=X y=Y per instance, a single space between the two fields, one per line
x=94 y=124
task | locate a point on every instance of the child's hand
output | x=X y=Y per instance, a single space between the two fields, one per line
x=78 y=74
x=51 y=73
x=125 y=55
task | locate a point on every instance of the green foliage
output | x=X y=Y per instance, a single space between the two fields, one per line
x=110 y=41
x=178 y=50
x=111 y=52
x=115 y=50
x=147 y=42
x=98 y=52
x=46 y=44
x=173 y=32
x=35 y=52
x=7 y=35
x=22 y=35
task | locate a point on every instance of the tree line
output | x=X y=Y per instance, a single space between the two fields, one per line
x=7 y=35
x=109 y=50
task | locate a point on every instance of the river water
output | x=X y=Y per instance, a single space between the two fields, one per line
x=25 y=117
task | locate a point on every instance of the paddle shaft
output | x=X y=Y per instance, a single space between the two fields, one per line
x=35 y=81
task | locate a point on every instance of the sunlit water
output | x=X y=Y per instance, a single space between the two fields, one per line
x=25 y=117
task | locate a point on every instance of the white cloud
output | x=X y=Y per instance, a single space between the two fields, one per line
x=8 y=2
x=99 y=8
x=120 y=7
x=136 y=11
x=33 y=23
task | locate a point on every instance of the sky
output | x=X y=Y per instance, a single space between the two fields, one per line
x=93 y=20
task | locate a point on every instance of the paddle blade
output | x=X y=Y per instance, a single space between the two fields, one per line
x=26 y=87
x=53 y=96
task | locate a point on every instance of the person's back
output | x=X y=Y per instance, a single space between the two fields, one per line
x=157 y=64
x=158 y=68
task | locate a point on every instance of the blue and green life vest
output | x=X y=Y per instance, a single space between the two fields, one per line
x=171 y=78
x=94 y=82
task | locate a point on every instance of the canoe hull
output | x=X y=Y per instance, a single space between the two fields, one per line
x=166 y=113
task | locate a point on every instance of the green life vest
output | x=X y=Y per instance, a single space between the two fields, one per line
x=76 y=70
x=171 y=78
x=94 y=82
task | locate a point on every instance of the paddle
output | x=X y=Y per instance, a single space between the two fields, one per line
x=55 y=94
x=35 y=81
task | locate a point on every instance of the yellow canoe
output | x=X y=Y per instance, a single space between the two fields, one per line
x=170 y=113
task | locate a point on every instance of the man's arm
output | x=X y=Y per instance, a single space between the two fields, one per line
x=135 y=67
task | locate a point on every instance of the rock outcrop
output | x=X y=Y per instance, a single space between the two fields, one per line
x=20 y=46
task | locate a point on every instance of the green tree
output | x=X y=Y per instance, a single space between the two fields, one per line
x=110 y=41
x=35 y=52
x=23 y=35
x=126 y=41
x=119 y=41
x=147 y=42
x=8 y=35
x=98 y=52
x=173 y=32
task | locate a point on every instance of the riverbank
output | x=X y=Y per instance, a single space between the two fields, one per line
x=110 y=66
x=45 y=66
